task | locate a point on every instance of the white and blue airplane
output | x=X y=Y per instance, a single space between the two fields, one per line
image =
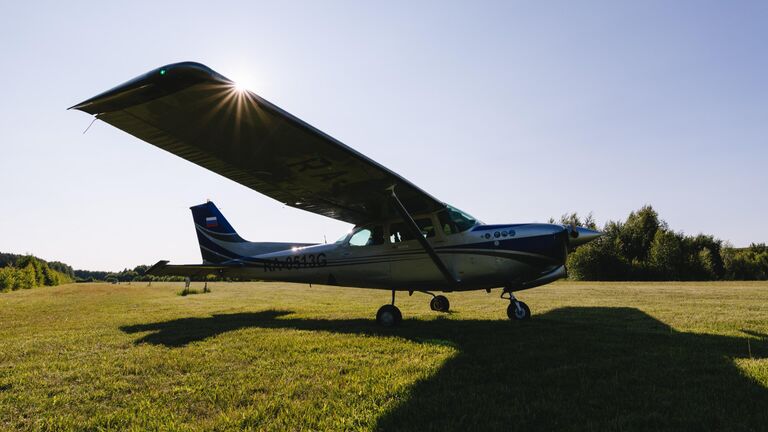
x=403 y=238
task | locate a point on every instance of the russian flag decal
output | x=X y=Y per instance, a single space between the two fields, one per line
x=211 y=222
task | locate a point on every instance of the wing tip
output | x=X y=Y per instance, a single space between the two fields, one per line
x=158 y=81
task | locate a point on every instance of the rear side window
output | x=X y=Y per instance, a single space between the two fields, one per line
x=368 y=237
x=360 y=238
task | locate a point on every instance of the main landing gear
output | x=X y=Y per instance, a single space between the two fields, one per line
x=389 y=315
x=517 y=310
x=440 y=303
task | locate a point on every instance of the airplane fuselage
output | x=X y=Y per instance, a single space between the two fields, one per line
x=482 y=257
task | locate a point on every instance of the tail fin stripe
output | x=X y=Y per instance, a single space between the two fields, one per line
x=227 y=237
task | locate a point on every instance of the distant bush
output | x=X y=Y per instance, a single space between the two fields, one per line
x=190 y=291
x=29 y=272
x=8 y=279
x=644 y=248
x=746 y=263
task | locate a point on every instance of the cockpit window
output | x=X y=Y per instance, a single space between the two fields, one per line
x=461 y=221
x=426 y=227
x=399 y=232
x=368 y=237
x=446 y=223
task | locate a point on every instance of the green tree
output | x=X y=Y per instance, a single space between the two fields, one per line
x=707 y=262
x=50 y=278
x=747 y=263
x=666 y=255
x=8 y=279
x=638 y=232
x=26 y=277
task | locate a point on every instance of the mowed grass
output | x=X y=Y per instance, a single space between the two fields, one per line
x=257 y=356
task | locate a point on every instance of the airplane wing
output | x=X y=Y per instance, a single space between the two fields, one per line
x=195 y=113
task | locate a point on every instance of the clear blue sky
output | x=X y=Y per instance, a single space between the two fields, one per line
x=512 y=111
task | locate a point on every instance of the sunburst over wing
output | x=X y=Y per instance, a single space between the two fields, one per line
x=201 y=116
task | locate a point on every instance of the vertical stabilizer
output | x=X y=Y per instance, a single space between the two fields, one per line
x=215 y=235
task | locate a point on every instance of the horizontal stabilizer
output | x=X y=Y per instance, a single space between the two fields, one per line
x=162 y=268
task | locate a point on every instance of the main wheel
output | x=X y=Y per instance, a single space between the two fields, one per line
x=440 y=303
x=515 y=313
x=388 y=316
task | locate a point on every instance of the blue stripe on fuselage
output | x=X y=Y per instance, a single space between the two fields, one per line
x=550 y=245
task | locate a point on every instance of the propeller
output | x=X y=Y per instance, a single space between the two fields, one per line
x=574 y=232
x=579 y=235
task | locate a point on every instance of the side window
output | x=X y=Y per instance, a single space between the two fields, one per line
x=426 y=227
x=399 y=232
x=368 y=237
x=360 y=238
x=446 y=223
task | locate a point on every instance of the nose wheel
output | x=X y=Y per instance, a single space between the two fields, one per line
x=517 y=310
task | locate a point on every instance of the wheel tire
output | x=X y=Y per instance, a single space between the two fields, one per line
x=515 y=315
x=388 y=316
x=440 y=303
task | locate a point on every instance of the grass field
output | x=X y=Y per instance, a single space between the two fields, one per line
x=595 y=356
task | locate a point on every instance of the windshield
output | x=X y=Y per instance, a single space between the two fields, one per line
x=460 y=220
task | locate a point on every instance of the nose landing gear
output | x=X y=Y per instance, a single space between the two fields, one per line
x=517 y=310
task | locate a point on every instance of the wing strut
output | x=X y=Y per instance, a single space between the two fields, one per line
x=416 y=232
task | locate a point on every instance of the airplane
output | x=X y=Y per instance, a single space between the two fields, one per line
x=403 y=239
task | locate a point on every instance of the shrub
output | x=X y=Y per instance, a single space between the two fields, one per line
x=8 y=279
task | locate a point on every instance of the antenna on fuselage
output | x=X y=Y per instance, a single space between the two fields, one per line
x=325 y=240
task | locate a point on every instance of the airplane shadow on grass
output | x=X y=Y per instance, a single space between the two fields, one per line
x=585 y=368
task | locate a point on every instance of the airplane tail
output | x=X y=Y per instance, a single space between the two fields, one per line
x=221 y=244
x=209 y=217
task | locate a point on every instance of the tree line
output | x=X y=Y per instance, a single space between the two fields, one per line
x=644 y=247
x=138 y=273
x=27 y=271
